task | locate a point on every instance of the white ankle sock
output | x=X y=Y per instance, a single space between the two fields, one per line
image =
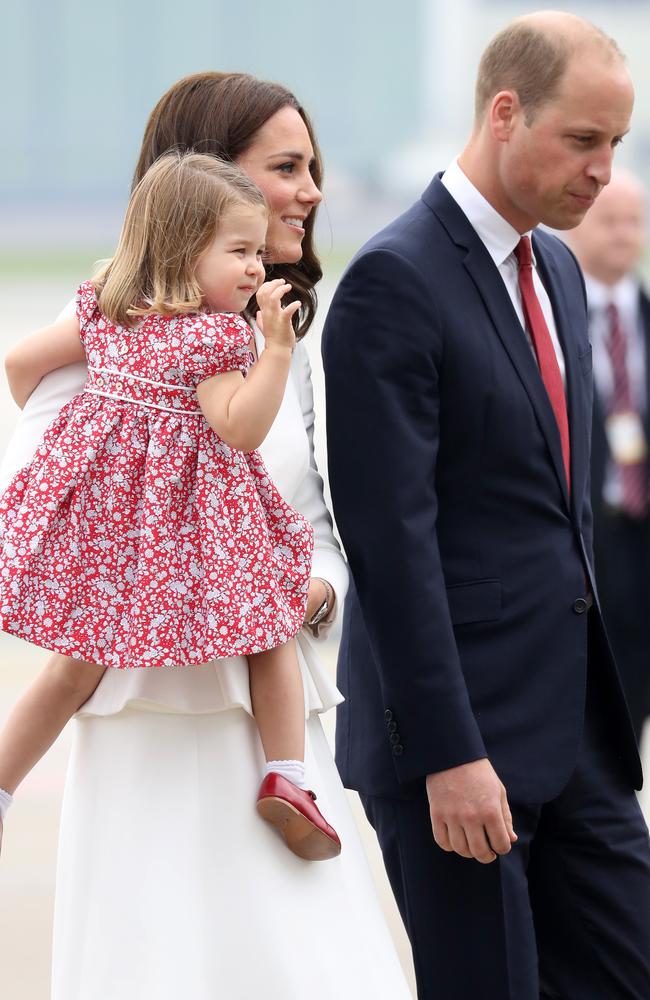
x=292 y=770
x=5 y=801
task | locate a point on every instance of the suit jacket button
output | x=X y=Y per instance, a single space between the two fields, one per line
x=580 y=605
x=394 y=738
x=388 y=715
x=398 y=750
x=392 y=727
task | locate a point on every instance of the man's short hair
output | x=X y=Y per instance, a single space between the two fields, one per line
x=532 y=62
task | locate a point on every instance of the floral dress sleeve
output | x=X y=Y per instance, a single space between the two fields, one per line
x=86 y=306
x=216 y=343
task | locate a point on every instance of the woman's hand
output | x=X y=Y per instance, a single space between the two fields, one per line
x=273 y=320
x=315 y=596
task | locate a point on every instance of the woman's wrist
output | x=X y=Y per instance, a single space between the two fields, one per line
x=319 y=611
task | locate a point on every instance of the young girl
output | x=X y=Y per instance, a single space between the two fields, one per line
x=145 y=531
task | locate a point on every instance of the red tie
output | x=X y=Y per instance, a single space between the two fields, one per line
x=544 y=350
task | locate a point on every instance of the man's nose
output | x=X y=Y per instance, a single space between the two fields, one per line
x=600 y=168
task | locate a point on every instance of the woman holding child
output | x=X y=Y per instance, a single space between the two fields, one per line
x=168 y=883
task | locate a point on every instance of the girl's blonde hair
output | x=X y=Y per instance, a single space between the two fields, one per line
x=171 y=220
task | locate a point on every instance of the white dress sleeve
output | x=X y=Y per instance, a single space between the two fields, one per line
x=328 y=562
x=52 y=392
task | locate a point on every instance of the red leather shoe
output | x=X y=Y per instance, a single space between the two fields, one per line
x=293 y=811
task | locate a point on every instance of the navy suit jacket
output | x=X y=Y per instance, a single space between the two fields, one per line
x=465 y=631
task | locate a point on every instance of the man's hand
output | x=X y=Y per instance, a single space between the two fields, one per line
x=469 y=811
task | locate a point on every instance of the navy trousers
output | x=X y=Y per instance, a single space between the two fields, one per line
x=565 y=915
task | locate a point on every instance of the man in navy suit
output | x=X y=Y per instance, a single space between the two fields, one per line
x=609 y=244
x=484 y=724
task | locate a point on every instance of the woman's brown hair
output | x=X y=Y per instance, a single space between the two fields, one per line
x=173 y=215
x=220 y=113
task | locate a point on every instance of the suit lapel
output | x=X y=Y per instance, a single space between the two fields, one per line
x=506 y=322
x=499 y=307
x=498 y=304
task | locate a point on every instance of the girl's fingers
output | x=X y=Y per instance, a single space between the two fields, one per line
x=265 y=291
x=278 y=293
x=269 y=287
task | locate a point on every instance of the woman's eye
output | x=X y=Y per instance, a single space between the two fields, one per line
x=240 y=250
x=287 y=168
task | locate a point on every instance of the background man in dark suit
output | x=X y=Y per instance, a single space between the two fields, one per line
x=478 y=678
x=609 y=244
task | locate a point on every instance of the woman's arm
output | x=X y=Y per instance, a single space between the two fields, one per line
x=53 y=391
x=328 y=562
x=40 y=353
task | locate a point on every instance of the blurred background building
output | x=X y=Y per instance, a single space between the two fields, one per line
x=389 y=86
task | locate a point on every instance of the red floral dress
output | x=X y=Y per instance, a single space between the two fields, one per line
x=136 y=537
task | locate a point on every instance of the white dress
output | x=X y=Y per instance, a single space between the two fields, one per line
x=168 y=882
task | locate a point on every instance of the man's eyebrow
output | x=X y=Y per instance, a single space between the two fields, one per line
x=593 y=130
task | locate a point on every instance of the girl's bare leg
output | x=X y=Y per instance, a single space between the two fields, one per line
x=41 y=713
x=278 y=702
x=279 y=709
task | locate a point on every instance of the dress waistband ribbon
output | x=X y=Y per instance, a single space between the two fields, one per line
x=130 y=388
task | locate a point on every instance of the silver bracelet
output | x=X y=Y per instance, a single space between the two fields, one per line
x=324 y=609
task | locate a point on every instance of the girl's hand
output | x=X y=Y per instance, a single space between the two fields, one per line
x=273 y=320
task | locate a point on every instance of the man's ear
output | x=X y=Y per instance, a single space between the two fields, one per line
x=503 y=111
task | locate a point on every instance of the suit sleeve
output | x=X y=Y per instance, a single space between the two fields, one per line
x=384 y=360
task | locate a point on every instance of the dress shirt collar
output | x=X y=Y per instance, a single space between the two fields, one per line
x=498 y=236
x=624 y=294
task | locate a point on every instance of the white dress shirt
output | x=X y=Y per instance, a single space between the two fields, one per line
x=500 y=240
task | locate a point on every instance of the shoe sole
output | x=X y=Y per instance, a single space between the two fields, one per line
x=300 y=834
